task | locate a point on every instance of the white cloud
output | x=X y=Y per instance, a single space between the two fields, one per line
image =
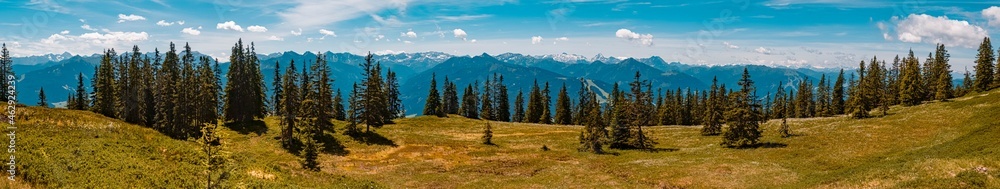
x=113 y=37
x=408 y=42
x=929 y=29
x=275 y=38
x=536 y=40
x=992 y=15
x=229 y=25
x=762 y=50
x=327 y=33
x=305 y=13
x=87 y=27
x=729 y=45
x=130 y=17
x=472 y=41
x=459 y=33
x=562 y=39
x=256 y=28
x=297 y=33
x=191 y=31
x=55 y=38
x=644 y=39
x=464 y=17
x=165 y=23
x=380 y=37
x=409 y=34
x=64 y=32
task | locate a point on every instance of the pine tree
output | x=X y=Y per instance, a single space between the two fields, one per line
x=860 y=94
x=502 y=103
x=184 y=120
x=984 y=67
x=486 y=106
x=395 y=104
x=743 y=117
x=244 y=91
x=837 y=102
x=213 y=161
x=373 y=98
x=714 y=110
x=289 y=104
x=104 y=86
x=81 y=101
x=892 y=82
x=7 y=70
x=518 y=107
x=563 y=115
x=911 y=92
x=324 y=95
x=207 y=97
x=338 y=107
x=823 y=98
x=488 y=134
x=534 y=112
x=354 y=107
x=129 y=83
x=546 y=106
x=277 y=94
x=640 y=108
x=432 y=106
x=618 y=120
x=449 y=97
x=470 y=103
x=149 y=92
x=966 y=83
x=593 y=130
x=41 y=98
x=309 y=153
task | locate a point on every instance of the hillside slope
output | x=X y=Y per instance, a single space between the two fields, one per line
x=936 y=145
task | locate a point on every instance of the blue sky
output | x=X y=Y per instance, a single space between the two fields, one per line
x=819 y=33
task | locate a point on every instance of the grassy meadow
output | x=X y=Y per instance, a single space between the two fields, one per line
x=952 y=144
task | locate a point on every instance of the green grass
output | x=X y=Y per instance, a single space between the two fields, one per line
x=935 y=145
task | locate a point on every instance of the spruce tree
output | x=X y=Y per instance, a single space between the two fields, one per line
x=984 y=67
x=593 y=126
x=277 y=91
x=743 y=117
x=518 y=107
x=104 y=85
x=714 y=110
x=207 y=97
x=395 y=104
x=534 y=112
x=823 y=98
x=966 y=83
x=289 y=106
x=545 y=106
x=563 y=115
x=432 y=106
x=244 y=100
x=621 y=135
x=860 y=95
x=837 y=102
x=324 y=104
x=449 y=97
x=7 y=70
x=502 y=103
x=470 y=103
x=41 y=98
x=338 y=107
x=488 y=134
x=353 y=108
x=486 y=106
x=373 y=99
x=640 y=108
x=167 y=90
x=81 y=101
x=911 y=91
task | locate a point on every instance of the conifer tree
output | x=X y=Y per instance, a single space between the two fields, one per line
x=966 y=84
x=41 y=98
x=534 y=112
x=892 y=81
x=640 y=108
x=432 y=106
x=309 y=153
x=546 y=106
x=129 y=87
x=354 y=107
x=910 y=92
x=582 y=111
x=104 y=85
x=593 y=130
x=244 y=100
x=837 y=102
x=486 y=106
x=714 y=110
x=860 y=94
x=563 y=115
x=470 y=103
x=373 y=99
x=289 y=106
x=984 y=67
x=277 y=94
x=823 y=98
x=502 y=103
x=324 y=95
x=338 y=107
x=184 y=122
x=395 y=104
x=618 y=120
x=488 y=134
x=518 y=107
x=450 y=97
x=207 y=96
x=167 y=90
x=6 y=68
x=743 y=118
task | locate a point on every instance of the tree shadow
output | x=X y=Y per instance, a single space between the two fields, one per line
x=331 y=145
x=370 y=138
x=256 y=126
x=763 y=145
x=658 y=150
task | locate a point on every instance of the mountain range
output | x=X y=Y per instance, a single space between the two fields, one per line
x=57 y=73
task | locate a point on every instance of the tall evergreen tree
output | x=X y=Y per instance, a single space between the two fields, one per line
x=546 y=106
x=7 y=69
x=823 y=98
x=714 y=110
x=563 y=115
x=207 y=98
x=743 y=117
x=534 y=112
x=167 y=90
x=104 y=85
x=289 y=106
x=41 y=98
x=338 y=107
x=837 y=102
x=502 y=107
x=860 y=95
x=486 y=106
x=80 y=101
x=277 y=91
x=395 y=104
x=518 y=107
x=911 y=90
x=593 y=130
x=353 y=108
x=984 y=67
x=244 y=100
x=324 y=95
x=966 y=83
x=470 y=103
x=432 y=106
x=450 y=97
x=373 y=98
